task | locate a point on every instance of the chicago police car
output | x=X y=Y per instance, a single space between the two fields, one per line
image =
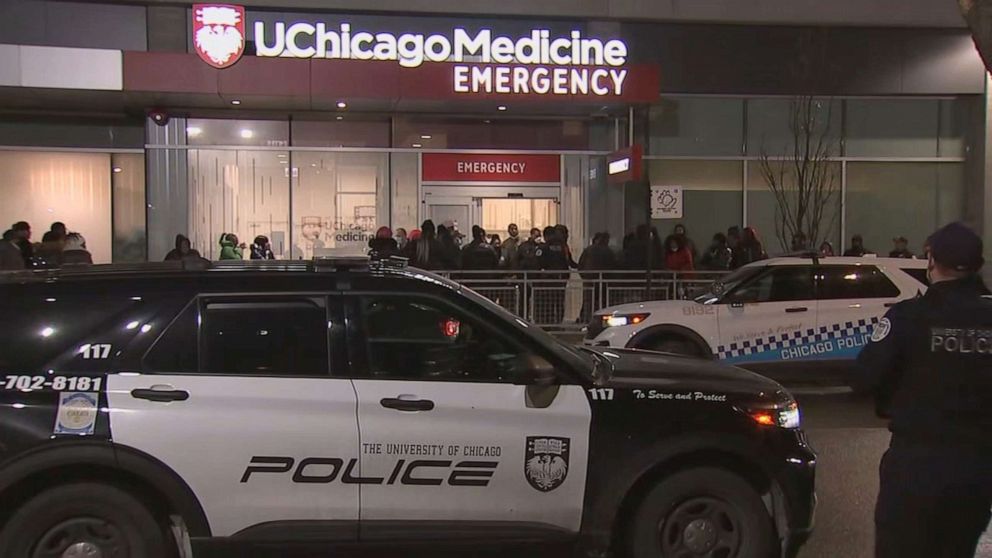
x=163 y=410
x=776 y=311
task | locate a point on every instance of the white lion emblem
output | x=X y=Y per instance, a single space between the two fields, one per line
x=547 y=471
x=219 y=42
x=219 y=39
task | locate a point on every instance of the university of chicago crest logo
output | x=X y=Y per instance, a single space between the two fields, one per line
x=219 y=33
x=546 y=462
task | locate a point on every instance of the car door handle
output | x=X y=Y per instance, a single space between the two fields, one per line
x=408 y=405
x=160 y=395
x=796 y=309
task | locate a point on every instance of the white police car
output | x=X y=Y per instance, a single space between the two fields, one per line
x=770 y=312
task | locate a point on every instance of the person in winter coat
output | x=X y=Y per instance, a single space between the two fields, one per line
x=826 y=250
x=857 y=248
x=75 y=250
x=552 y=255
x=719 y=256
x=383 y=246
x=425 y=250
x=182 y=250
x=596 y=257
x=681 y=233
x=508 y=257
x=261 y=249
x=451 y=254
x=677 y=255
x=229 y=247
x=479 y=254
x=10 y=254
x=750 y=249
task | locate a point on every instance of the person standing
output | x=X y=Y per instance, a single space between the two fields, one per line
x=22 y=230
x=857 y=248
x=527 y=252
x=749 y=249
x=719 y=256
x=901 y=248
x=929 y=367
x=261 y=249
x=677 y=255
x=479 y=255
x=451 y=255
x=400 y=237
x=75 y=250
x=826 y=249
x=10 y=255
x=553 y=256
x=510 y=247
x=596 y=257
x=182 y=250
x=426 y=250
x=383 y=246
x=683 y=236
x=229 y=247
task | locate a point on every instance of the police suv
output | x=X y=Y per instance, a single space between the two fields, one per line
x=776 y=311
x=197 y=409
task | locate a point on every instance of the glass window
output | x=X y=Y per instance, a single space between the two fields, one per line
x=241 y=192
x=176 y=350
x=414 y=338
x=475 y=133
x=269 y=133
x=770 y=125
x=128 y=182
x=855 y=281
x=956 y=116
x=918 y=274
x=762 y=206
x=339 y=200
x=780 y=284
x=251 y=336
x=712 y=194
x=349 y=131
x=892 y=127
x=917 y=197
x=697 y=126
x=74 y=188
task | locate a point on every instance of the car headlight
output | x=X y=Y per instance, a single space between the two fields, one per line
x=787 y=416
x=613 y=320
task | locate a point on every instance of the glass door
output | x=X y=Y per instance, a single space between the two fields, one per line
x=458 y=211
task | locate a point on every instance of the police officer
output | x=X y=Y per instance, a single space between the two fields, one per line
x=929 y=366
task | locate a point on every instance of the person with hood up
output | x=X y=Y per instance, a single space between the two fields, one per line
x=750 y=249
x=261 y=249
x=383 y=246
x=719 y=254
x=230 y=249
x=182 y=250
x=75 y=250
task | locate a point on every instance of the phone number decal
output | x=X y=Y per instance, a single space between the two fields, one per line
x=56 y=383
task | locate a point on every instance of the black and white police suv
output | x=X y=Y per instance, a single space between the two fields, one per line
x=160 y=411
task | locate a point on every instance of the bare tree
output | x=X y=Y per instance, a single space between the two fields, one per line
x=978 y=14
x=803 y=181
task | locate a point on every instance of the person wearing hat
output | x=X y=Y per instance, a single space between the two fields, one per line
x=857 y=248
x=901 y=248
x=929 y=367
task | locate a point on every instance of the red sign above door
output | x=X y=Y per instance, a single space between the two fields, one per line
x=471 y=167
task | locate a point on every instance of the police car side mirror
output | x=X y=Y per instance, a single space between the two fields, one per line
x=535 y=370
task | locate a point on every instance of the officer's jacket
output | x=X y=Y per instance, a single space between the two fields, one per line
x=929 y=365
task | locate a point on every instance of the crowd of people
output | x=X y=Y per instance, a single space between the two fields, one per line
x=58 y=247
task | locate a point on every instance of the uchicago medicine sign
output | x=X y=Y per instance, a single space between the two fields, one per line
x=536 y=63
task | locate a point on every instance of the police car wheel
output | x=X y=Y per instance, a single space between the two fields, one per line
x=674 y=345
x=84 y=520
x=702 y=512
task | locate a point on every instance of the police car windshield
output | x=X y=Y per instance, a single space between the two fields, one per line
x=578 y=360
x=725 y=284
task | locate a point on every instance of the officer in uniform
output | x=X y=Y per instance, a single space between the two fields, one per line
x=929 y=367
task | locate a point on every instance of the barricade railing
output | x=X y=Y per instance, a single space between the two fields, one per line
x=566 y=300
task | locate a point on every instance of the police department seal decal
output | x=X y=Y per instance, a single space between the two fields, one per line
x=881 y=331
x=546 y=462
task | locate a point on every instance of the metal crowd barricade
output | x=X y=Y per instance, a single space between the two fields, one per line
x=566 y=300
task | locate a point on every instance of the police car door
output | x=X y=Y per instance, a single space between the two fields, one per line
x=447 y=437
x=236 y=398
x=852 y=298
x=770 y=318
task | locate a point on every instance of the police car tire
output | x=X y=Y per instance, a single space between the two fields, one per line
x=756 y=534
x=674 y=344
x=143 y=536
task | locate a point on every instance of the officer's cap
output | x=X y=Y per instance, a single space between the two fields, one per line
x=957 y=247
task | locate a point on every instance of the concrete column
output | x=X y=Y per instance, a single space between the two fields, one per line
x=166 y=187
x=981 y=156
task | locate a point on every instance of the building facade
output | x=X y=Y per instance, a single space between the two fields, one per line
x=313 y=126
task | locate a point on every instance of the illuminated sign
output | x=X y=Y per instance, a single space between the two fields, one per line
x=219 y=33
x=535 y=63
x=619 y=166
